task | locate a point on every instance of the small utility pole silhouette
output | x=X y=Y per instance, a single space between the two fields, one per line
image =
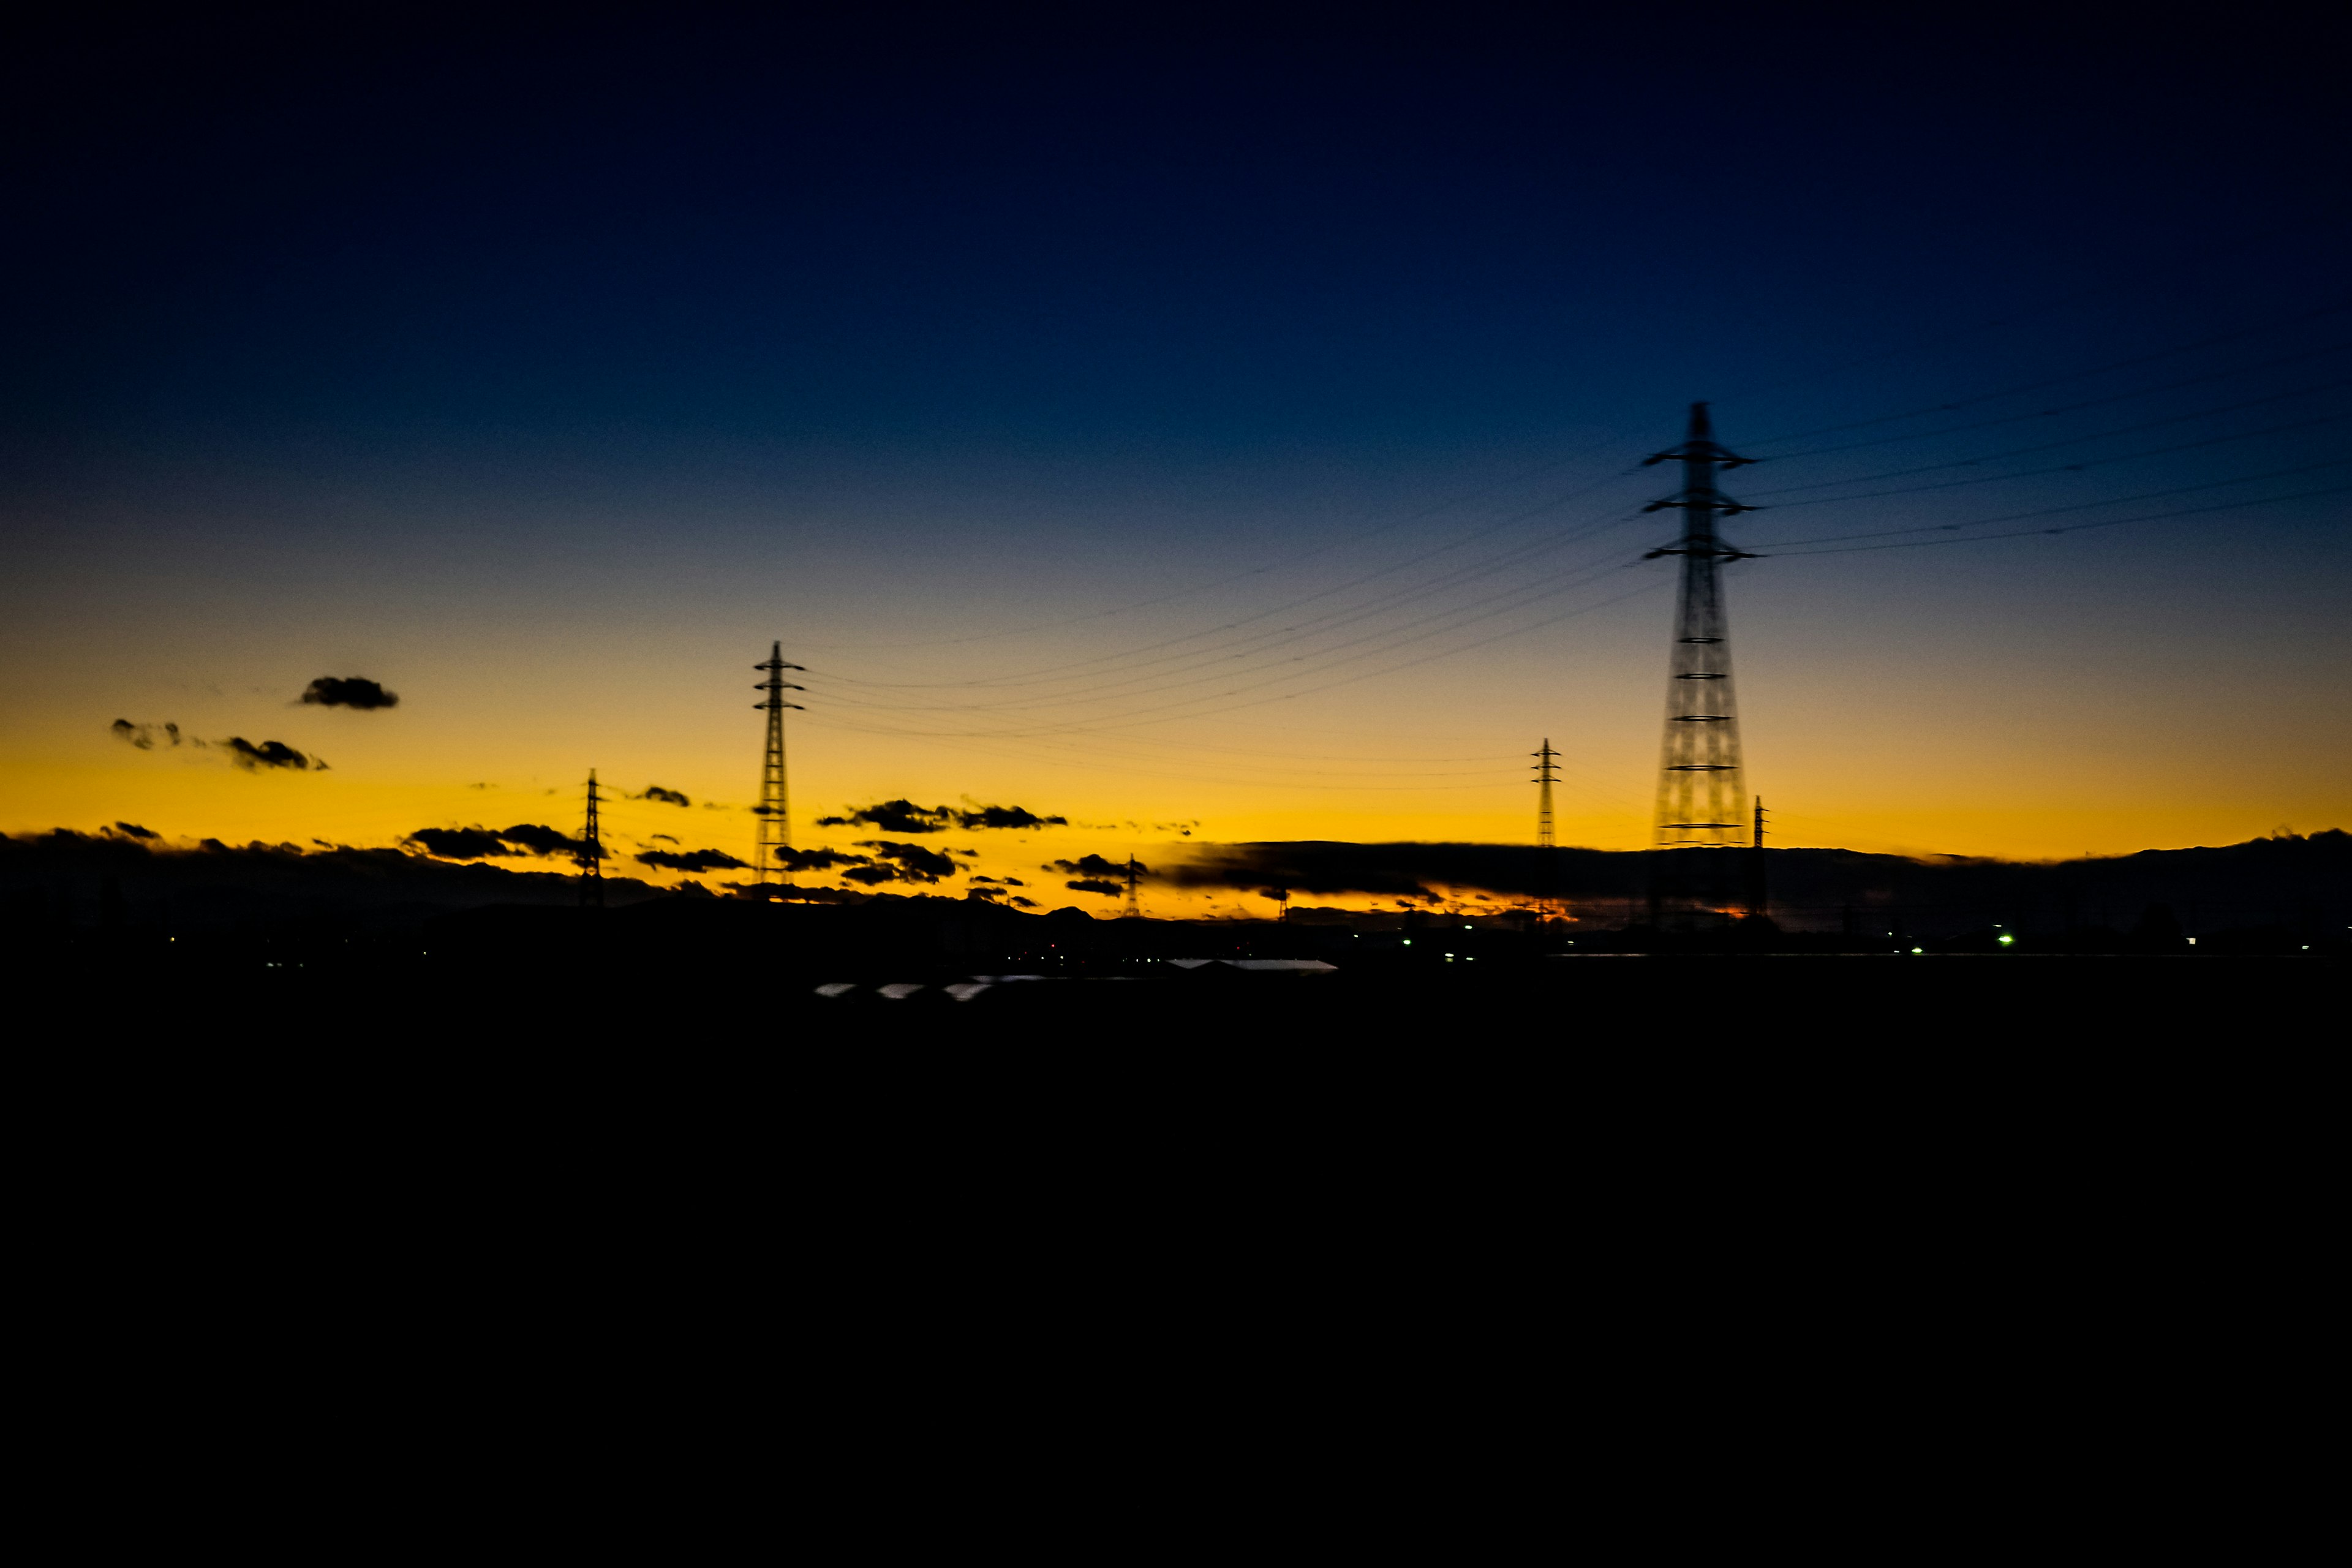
x=1756 y=888
x=591 y=853
x=1699 y=774
x=775 y=842
x=1547 y=776
x=1134 y=908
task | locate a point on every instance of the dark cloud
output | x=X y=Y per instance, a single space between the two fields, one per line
x=906 y=816
x=666 y=797
x=541 y=839
x=692 y=860
x=245 y=753
x=146 y=736
x=914 y=863
x=479 y=842
x=1095 y=865
x=1021 y=903
x=132 y=830
x=349 y=691
x=818 y=859
x=1014 y=883
x=667 y=837
x=459 y=843
x=253 y=758
x=872 y=876
x=1096 y=885
x=1006 y=817
x=893 y=816
x=977 y=879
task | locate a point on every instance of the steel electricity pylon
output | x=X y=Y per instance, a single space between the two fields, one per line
x=591 y=853
x=1546 y=773
x=1700 y=797
x=771 y=855
x=1134 y=871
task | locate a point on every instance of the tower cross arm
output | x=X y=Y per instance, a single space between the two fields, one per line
x=1710 y=501
x=1700 y=452
x=1717 y=551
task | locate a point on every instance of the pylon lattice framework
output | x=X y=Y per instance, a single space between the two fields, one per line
x=1547 y=771
x=1701 y=801
x=771 y=855
x=591 y=855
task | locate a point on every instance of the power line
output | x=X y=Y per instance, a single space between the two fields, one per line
x=2081 y=527
x=1526 y=592
x=2072 y=468
x=1074 y=727
x=1200 y=659
x=1036 y=676
x=2105 y=288
x=1096 y=680
x=1285 y=636
x=2078 y=506
x=2054 y=412
x=2052 y=445
x=1971 y=402
x=1307 y=554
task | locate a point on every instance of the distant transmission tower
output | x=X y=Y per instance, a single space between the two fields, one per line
x=1757 y=891
x=771 y=857
x=1700 y=799
x=1134 y=906
x=1546 y=775
x=591 y=853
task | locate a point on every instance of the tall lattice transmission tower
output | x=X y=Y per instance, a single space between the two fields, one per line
x=771 y=855
x=591 y=853
x=1701 y=803
x=1134 y=873
x=1547 y=771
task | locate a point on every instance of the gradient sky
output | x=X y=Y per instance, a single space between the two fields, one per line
x=1214 y=426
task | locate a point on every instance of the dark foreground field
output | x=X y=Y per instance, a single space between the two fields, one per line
x=586 y=980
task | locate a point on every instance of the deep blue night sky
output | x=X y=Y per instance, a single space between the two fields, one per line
x=534 y=241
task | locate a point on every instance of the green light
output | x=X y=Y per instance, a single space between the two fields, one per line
x=1918 y=950
x=2006 y=939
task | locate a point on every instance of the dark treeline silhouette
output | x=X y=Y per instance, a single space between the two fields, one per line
x=2294 y=883
x=62 y=881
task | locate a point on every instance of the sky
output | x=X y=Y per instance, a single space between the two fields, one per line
x=1215 y=433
